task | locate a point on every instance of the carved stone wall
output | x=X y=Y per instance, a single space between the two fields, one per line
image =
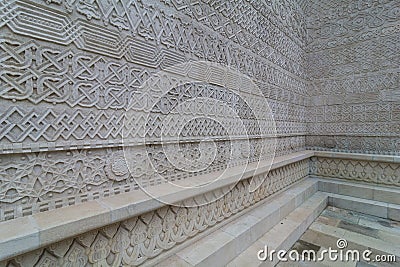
x=382 y=173
x=353 y=62
x=72 y=69
x=133 y=241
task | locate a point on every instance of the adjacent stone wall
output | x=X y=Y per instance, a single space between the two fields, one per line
x=358 y=170
x=71 y=70
x=353 y=62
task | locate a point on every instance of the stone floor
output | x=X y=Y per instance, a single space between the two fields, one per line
x=361 y=232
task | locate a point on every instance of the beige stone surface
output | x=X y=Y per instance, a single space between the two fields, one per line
x=206 y=251
x=100 y=99
x=248 y=257
x=18 y=236
x=70 y=221
x=173 y=261
x=285 y=233
x=375 y=208
x=361 y=232
x=394 y=212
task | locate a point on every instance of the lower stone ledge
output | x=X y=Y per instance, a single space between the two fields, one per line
x=373 y=169
x=387 y=194
x=136 y=218
x=132 y=228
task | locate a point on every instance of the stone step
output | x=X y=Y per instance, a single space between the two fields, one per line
x=366 y=206
x=369 y=225
x=224 y=244
x=336 y=223
x=283 y=235
x=321 y=233
x=361 y=231
x=387 y=194
x=281 y=220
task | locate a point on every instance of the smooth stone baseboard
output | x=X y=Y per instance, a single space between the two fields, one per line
x=382 y=193
x=366 y=206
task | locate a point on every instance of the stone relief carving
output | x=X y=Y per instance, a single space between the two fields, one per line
x=35 y=182
x=355 y=144
x=352 y=64
x=90 y=105
x=133 y=241
x=68 y=84
x=71 y=69
x=365 y=171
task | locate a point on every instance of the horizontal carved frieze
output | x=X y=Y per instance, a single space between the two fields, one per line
x=134 y=241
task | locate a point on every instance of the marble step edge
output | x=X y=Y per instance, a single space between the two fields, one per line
x=302 y=189
x=371 y=207
x=382 y=193
x=354 y=240
x=284 y=234
x=358 y=156
x=24 y=234
x=233 y=238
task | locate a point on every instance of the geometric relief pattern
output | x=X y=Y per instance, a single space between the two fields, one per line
x=39 y=73
x=228 y=18
x=32 y=125
x=35 y=182
x=135 y=240
x=105 y=122
x=20 y=124
x=71 y=76
x=382 y=173
x=353 y=58
x=333 y=24
x=70 y=69
x=52 y=74
x=355 y=144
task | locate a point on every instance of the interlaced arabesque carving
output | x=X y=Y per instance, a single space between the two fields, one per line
x=331 y=24
x=353 y=59
x=47 y=180
x=36 y=182
x=93 y=87
x=385 y=56
x=355 y=144
x=161 y=39
x=36 y=125
x=382 y=173
x=54 y=74
x=69 y=85
x=133 y=241
x=236 y=21
x=72 y=70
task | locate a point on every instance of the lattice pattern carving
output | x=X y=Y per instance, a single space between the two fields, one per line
x=133 y=241
x=71 y=69
x=353 y=58
x=364 y=171
x=35 y=182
